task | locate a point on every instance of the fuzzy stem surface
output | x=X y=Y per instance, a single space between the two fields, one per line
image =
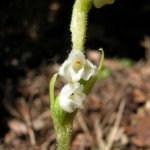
x=79 y=22
x=64 y=131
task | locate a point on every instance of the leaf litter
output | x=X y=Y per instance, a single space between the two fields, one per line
x=116 y=113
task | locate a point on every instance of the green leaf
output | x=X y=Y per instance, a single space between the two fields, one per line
x=62 y=120
x=51 y=91
x=101 y=62
x=88 y=85
x=58 y=114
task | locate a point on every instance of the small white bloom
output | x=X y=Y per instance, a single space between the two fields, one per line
x=71 y=97
x=76 y=67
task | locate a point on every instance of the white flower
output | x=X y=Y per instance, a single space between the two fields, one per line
x=71 y=97
x=76 y=67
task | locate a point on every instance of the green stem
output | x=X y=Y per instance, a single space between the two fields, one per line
x=63 y=137
x=79 y=22
x=64 y=131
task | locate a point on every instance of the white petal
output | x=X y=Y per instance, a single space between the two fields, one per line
x=77 y=76
x=89 y=70
x=63 y=69
x=83 y=96
x=77 y=53
x=79 y=89
x=78 y=100
x=71 y=97
x=67 y=104
x=69 y=73
x=70 y=70
x=68 y=89
x=73 y=76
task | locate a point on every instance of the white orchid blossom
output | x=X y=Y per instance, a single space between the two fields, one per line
x=77 y=67
x=71 y=97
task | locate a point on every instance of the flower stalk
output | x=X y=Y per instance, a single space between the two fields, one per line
x=62 y=120
x=80 y=73
x=79 y=22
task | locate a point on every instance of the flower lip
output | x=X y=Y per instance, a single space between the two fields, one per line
x=77 y=64
x=71 y=95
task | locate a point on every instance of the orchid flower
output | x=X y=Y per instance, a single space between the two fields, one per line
x=71 y=97
x=76 y=67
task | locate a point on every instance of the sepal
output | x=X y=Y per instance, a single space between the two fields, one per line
x=58 y=114
x=88 y=85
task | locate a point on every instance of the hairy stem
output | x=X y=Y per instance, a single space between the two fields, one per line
x=64 y=131
x=79 y=22
x=63 y=137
